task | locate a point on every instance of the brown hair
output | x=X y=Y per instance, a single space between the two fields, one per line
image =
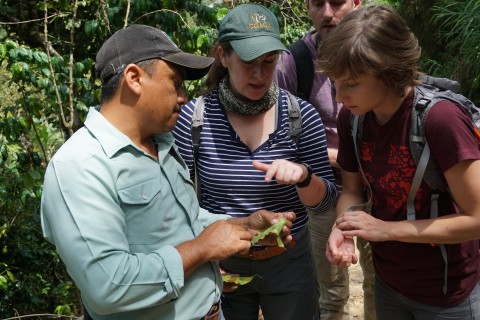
x=217 y=70
x=375 y=40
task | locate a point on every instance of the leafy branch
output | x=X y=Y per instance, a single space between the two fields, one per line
x=42 y=315
x=67 y=124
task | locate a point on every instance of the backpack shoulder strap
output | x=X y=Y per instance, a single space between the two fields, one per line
x=427 y=96
x=196 y=128
x=356 y=125
x=305 y=68
x=294 y=117
x=197 y=124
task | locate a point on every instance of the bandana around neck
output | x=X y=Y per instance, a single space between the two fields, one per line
x=246 y=107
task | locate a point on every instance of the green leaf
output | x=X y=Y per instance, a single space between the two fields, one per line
x=40 y=57
x=3 y=282
x=18 y=69
x=35 y=175
x=91 y=27
x=275 y=229
x=43 y=83
x=3 y=50
x=232 y=278
x=23 y=51
x=46 y=72
x=201 y=39
x=79 y=67
x=11 y=43
x=81 y=106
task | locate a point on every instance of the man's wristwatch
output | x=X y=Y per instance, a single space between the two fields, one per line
x=307 y=180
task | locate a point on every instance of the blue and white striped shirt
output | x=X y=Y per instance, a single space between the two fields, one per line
x=229 y=183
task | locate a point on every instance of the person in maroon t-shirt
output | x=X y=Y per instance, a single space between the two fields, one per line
x=372 y=58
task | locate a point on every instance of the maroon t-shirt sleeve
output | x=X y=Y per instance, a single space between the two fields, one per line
x=450 y=135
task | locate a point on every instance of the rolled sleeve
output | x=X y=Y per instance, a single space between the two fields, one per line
x=206 y=218
x=174 y=267
x=328 y=200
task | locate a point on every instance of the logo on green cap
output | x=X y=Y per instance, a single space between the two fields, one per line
x=259 y=21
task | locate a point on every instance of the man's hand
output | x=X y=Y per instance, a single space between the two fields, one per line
x=223 y=239
x=263 y=219
x=218 y=241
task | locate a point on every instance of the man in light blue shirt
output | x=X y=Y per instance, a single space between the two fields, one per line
x=118 y=202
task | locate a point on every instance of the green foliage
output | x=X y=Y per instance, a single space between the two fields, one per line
x=27 y=138
x=376 y=2
x=449 y=33
x=460 y=32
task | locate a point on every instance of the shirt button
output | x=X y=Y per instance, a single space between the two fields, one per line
x=144 y=197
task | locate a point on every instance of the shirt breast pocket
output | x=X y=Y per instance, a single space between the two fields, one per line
x=141 y=193
x=142 y=213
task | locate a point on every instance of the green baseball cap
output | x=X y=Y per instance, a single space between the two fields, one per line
x=252 y=30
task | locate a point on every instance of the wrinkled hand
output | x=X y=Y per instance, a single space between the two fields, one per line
x=363 y=225
x=223 y=239
x=263 y=219
x=340 y=249
x=285 y=172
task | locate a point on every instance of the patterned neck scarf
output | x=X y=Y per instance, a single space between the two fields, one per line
x=244 y=106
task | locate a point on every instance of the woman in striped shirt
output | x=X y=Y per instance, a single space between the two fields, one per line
x=247 y=161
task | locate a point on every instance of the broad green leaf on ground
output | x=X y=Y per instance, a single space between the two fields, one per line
x=276 y=229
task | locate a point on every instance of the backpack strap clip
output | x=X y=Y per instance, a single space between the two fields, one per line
x=295 y=118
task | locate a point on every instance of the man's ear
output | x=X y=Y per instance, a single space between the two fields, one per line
x=357 y=3
x=132 y=76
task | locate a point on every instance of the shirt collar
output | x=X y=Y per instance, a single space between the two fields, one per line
x=106 y=134
x=165 y=143
x=112 y=140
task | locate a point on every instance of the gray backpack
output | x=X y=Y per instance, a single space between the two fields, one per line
x=295 y=127
x=426 y=95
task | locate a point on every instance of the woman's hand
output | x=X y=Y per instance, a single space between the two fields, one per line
x=284 y=171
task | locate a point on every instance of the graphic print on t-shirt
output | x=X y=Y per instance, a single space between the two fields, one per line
x=392 y=181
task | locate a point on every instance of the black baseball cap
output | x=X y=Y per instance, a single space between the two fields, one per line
x=138 y=43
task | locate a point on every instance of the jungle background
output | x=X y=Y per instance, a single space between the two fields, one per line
x=47 y=84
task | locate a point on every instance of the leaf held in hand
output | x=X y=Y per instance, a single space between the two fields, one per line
x=236 y=279
x=276 y=229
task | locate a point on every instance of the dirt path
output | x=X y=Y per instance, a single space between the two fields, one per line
x=356 y=292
